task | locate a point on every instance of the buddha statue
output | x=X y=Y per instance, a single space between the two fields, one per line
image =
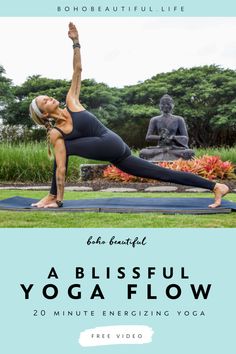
x=170 y=134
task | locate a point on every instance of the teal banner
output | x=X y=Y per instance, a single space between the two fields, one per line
x=131 y=8
x=68 y=292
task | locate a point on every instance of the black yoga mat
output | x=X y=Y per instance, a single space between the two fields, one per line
x=126 y=205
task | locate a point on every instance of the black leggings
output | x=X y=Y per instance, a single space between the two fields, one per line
x=111 y=147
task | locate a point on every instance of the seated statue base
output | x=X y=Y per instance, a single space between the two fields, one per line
x=154 y=154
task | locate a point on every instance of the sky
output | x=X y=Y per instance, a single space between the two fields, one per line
x=117 y=51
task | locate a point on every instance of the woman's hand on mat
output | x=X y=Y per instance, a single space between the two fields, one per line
x=49 y=199
x=73 y=33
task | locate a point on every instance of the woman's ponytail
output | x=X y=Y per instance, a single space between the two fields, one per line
x=48 y=127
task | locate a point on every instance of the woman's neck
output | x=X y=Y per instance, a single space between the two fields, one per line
x=60 y=115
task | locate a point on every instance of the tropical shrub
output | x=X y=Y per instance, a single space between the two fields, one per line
x=115 y=174
x=211 y=167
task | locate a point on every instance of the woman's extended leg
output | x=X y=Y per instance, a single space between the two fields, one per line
x=142 y=168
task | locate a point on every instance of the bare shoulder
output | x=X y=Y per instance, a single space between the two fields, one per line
x=54 y=136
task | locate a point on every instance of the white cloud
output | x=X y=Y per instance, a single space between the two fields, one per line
x=118 y=51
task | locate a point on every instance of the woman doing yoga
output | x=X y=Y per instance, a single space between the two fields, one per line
x=78 y=132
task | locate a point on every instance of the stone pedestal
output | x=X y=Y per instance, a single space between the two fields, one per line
x=91 y=171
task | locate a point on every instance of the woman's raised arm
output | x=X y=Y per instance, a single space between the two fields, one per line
x=72 y=99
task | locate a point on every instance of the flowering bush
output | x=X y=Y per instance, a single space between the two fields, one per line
x=115 y=174
x=211 y=167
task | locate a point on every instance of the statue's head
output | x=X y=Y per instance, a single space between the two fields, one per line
x=166 y=104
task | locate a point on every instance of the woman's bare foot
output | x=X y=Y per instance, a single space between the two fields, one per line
x=45 y=201
x=220 y=190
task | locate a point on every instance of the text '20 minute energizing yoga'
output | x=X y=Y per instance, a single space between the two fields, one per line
x=78 y=132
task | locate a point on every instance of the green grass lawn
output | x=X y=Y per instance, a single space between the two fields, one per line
x=102 y=220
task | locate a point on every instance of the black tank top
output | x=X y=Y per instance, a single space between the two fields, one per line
x=84 y=124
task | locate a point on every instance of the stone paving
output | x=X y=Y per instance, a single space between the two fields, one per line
x=196 y=190
x=46 y=188
x=161 y=189
x=110 y=189
x=119 y=189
